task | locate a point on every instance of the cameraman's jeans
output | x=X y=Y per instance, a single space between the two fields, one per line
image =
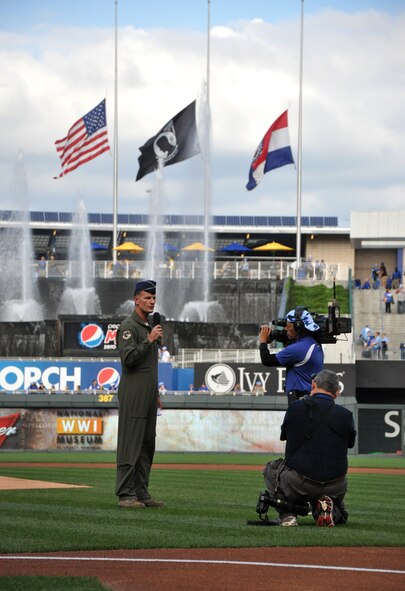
x=299 y=489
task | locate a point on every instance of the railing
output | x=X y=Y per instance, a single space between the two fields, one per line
x=341 y=352
x=224 y=269
x=188 y=357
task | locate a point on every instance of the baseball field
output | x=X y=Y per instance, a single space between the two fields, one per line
x=61 y=528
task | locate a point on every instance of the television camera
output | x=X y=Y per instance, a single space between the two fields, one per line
x=330 y=325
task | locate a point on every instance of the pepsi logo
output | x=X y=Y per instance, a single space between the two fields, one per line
x=91 y=336
x=108 y=378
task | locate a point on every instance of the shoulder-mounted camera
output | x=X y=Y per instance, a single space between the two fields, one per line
x=331 y=325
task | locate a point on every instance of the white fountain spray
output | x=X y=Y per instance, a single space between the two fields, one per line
x=154 y=247
x=80 y=295
x=18 y=290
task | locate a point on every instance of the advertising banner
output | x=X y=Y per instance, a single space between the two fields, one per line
x=380 y=430
x=222 y=378
x=177 y=430
x=181 y=430
x=220 y=431
x=58 y=429
x=63 y=376
x=95 y=338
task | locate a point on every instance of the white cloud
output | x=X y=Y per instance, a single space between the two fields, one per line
x=353 y=125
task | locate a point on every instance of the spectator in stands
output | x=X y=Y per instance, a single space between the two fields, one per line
x=401 y=299
x=388 y=299
x=368 y=346
x=382 y=274
x=374 y=274
x=258 y=388
x=366 y=284
x=226 y=270
x=165 y=356
x=191 y=389
x=162 y=389
x=384 y=346
x=365 y=334
x=244 y=268
x=303 y=355
x=119 y=269
x=396 y=278
x=203 y=388
x=42 y=267
x=94 y=386
x=376 y=345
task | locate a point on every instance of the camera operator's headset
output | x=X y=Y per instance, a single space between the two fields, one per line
x=298 y=322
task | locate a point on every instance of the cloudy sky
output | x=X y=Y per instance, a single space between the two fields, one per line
x=57 y=63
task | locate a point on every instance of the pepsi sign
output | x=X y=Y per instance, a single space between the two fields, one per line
x=108 y=378
x=91 y=336
x=95 y=337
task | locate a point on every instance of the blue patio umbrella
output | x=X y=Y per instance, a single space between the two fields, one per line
x=170 y=247
x=97 y=246
x=235 y=247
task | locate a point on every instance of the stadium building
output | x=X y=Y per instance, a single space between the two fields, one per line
x=66 y=350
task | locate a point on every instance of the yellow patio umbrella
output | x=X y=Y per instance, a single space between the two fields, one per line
x=197 y=246
x=128 y=247
x=273 y=246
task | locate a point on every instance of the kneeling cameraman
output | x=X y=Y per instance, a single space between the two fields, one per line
x=303 y=355
x=318 y=433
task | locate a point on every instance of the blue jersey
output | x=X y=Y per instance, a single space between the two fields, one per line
x=303 y=359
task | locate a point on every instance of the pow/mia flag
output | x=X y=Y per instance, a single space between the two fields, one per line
x=176 y=141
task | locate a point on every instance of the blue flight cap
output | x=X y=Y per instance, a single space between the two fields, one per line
x=146 y=285
x=306 y=319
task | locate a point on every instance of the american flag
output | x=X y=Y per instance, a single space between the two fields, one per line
x=85 y=140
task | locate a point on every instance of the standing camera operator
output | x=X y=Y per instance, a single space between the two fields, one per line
x=302 y=355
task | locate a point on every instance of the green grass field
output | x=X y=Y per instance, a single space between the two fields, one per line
x=204 y=508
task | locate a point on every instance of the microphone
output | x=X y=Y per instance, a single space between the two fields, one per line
x=156 y=319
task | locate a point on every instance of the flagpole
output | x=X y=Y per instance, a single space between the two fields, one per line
x=299 y=159
x=115 y=178
x=207 y=188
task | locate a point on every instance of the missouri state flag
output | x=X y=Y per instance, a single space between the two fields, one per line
x=273 y=151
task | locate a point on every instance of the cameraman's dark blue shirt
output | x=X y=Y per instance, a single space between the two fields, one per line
x=303 y=359
x=318 y=433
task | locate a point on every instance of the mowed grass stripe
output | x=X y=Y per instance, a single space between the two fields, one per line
x=205 y=509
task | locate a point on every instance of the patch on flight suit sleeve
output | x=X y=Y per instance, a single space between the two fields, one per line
x=127 y=334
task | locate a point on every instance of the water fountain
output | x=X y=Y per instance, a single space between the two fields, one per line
x=205 y=309
x=201 y=311
x=18 y=290
x=154 y=246
x=79 y=296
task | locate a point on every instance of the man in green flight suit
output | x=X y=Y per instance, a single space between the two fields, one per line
x=138 y=400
